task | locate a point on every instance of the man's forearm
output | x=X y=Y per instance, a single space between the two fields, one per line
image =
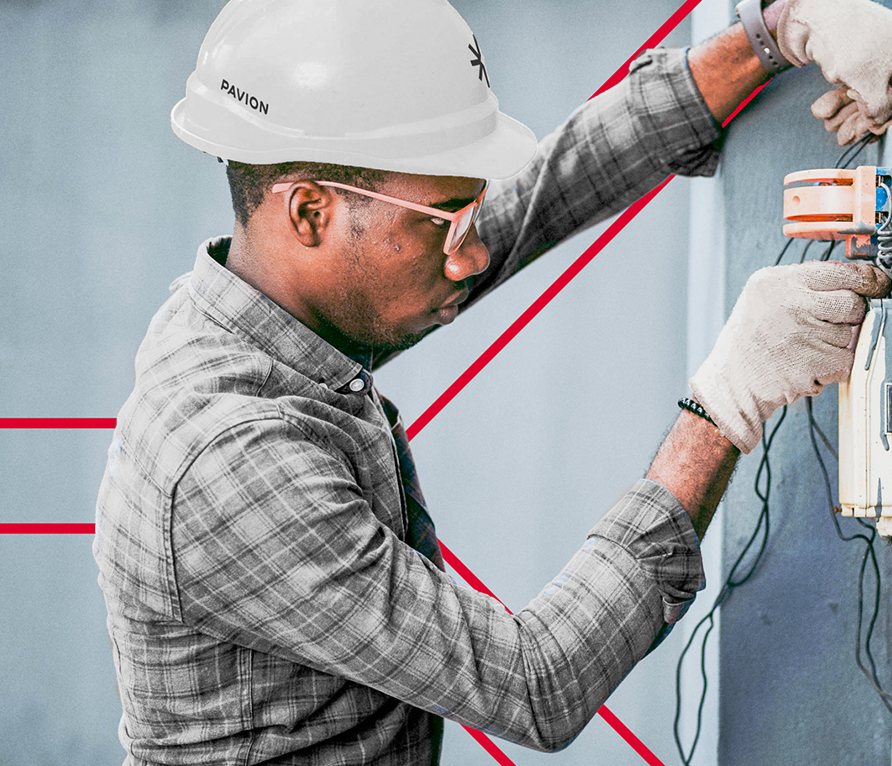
x=726 y=69
x=695 y=463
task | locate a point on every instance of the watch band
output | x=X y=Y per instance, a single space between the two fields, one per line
x=750 y=14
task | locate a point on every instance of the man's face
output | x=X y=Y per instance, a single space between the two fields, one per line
x=389 y=280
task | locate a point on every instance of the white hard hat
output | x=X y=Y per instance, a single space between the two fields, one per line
x=389 y=84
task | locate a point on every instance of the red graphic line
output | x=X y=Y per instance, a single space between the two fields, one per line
x=540 y=303
x=469 y=577
x=47 y=529
x=618 y=726
x=654 y=40
x=425 y=418
x=487 y=744
x=743 y=103
x=57 y=422
x=636 y=744
x=543 y=300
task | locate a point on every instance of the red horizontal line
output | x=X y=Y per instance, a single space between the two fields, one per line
x=47 y=529
x=57 y=422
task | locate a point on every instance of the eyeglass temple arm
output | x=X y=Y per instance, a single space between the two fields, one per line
x=383 y=197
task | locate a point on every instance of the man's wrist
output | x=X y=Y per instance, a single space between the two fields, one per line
x=695 y=463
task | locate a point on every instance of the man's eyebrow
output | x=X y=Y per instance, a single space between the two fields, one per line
x=451 y=205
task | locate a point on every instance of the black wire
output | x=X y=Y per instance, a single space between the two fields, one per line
x=824 y=439
x=806 y=249
x=851 y=154
x=869 y=553
x=823 y=257
x=783 y=251
x=826 y=254
x=729 y=585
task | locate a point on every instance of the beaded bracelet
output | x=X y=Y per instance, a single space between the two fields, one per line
x=692 y=406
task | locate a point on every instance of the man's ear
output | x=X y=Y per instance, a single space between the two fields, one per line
x=310 y=209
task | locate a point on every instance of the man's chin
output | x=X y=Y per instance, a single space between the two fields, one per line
x=396 y=345
x=382 y=344
x=384 y=349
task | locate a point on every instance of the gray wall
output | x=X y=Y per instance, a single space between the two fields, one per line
x=101 y=206
x=790 y=690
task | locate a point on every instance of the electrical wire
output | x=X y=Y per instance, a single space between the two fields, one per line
x=762 y=529
x=869 y=553
x=852 y=152
x=762 y=526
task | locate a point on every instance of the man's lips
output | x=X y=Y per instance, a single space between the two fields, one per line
x=449 y=311
x=460 y=298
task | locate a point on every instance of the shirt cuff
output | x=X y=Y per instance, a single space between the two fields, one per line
x=650 y=524
x=663 y=88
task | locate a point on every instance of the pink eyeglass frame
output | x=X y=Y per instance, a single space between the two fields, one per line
x=449 y=246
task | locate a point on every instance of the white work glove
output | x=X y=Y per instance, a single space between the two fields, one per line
x=849 y=40
x=847 y=116
x=792 y=331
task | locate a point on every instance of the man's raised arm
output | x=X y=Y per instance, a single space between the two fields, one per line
x=848 y=39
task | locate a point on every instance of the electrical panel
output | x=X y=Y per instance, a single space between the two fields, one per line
x=854 y=205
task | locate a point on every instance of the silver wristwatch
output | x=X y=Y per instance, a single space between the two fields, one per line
x=750 y=14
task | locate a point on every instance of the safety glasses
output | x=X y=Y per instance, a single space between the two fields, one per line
x=460 y=221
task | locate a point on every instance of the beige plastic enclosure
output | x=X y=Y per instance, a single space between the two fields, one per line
x=865 y=424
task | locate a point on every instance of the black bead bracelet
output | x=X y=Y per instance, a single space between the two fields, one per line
x=691 y=406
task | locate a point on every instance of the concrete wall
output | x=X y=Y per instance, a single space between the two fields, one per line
x=790 y=690
x=101 y=206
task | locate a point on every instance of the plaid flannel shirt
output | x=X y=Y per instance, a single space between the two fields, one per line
x=263 y=607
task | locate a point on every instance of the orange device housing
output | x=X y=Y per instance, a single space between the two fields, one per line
x=836 y=204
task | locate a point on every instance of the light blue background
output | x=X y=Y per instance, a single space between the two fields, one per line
x=101 y=207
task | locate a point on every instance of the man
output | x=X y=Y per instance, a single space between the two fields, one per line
x=274 y=586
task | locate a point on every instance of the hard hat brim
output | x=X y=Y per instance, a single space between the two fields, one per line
x=501 y=153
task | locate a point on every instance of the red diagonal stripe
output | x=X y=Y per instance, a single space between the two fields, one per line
x=618 y=726
x=543 y=300
x=47 y=529
x=57 y=422
x=467 y=575
x=487 y=744
x=636 y=744
x=654 y=40
x=744 y=103
x=540 y=303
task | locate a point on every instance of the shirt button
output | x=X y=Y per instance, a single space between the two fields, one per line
x=357 y=384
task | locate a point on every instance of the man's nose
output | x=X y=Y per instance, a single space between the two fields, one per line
x=470 y=259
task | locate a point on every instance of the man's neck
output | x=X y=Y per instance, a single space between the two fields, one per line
x=243 y=261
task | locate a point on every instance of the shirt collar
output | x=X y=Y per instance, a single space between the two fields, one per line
x=235 y=305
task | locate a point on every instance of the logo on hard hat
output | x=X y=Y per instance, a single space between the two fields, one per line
x=479 y=60
x=245 y=98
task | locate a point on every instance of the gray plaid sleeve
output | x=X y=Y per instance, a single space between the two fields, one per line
x=611 y=151
x=276 y=549
x=651 y=523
